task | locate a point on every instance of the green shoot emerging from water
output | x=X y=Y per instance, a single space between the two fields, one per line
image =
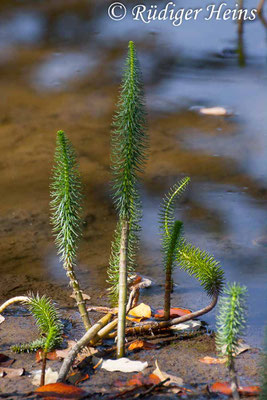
x=66 y=207
x=48 y=322
x=203 y=267
x=231 y=324
x=171 y=237
x=128 y=155
x=176 y=250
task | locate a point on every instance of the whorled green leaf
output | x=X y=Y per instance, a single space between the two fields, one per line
x=171 y=230
x=48 y=323
x=66 y=199
x=202 y=266
x=231 y=319
x=167 y=209
x=129 y=140
x=129 y=143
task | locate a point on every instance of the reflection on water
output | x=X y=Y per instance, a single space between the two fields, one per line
x=25 y=28
x=59 y=69
x=52 y=77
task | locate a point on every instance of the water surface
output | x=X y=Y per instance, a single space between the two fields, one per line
x=60 y=69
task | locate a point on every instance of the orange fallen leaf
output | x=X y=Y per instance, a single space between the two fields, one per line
x=141 y=344
x=225 y=388
x=52 y=355
x=139 y=380
x=249 y=390
x=11 y=372
x=174 y=312
x=140 y=312
x=154 y=379
x=136 y=380
x=77 y=377
x=60 y=391
x=212 y=360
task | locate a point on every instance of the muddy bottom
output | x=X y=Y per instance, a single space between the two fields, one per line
x=175 y=355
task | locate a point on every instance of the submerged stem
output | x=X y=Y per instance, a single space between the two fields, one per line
x=42 y=382
x=233 y=379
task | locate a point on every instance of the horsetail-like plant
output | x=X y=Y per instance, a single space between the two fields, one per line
x=49 y=325
x=170 y=248
x=65 y=208
x=128 y=155
x=171 y=231
x=177 y=251
x=203 y=267
x=231 y=323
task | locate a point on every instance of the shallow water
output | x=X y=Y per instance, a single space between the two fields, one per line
x=59 y=69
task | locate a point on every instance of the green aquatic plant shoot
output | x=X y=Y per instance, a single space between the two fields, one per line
x=203 y=267
x=48 y=322
x=231 y=324
x=170 y=247
x=128 y=155
x=177 y=251
x=171 y=231
x=65 y=214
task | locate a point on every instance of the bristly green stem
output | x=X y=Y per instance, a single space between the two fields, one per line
x=231 y=323
x=128 y=156
x=171 y=249
x=66 y=206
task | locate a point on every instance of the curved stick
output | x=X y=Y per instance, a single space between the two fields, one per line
x=13 y=300
x=155 y=326
x=108 y=328
x=79 y=345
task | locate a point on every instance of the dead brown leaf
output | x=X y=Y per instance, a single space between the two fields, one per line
x=140 y=312
x=11 y=372
x=60 y=391
x=174 y=312
x=212 y=360
x=52 y=355
x=240 y=349
x=86 y=352
x=63 y=353
x=138 y=380
x=141 y=344
x=225 y=388
x=163 y=375
x=85 y=296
